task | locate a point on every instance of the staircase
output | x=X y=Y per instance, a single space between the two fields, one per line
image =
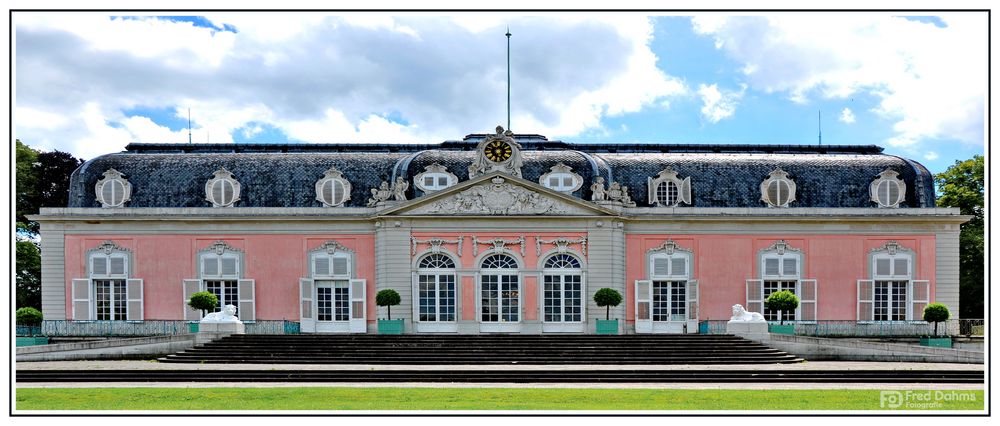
x=482 y=349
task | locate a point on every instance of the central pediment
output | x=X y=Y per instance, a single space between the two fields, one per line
x=498 y=194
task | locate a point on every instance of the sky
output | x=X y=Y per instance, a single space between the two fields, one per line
x=90 y=83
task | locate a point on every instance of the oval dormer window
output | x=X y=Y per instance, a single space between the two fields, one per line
x=435 y=177
x=222 y=190
x=113 y=190
x=333 y=189
x=561 y=178
x=777 y=190
x=888 y=190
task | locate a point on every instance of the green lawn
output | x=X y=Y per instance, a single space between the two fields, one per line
x=318 y=398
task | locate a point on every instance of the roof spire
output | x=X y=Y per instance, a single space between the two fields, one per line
x=508 y=77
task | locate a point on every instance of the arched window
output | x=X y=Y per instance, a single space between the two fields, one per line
x=669 y=190
x=333 y=189
x=435 y=177
x=436 y=288
x=777 y=190
x=222 y=190
x=561 y=178
x=500 y=289
x=888 y=191
x=113 y=190
x=562 y=289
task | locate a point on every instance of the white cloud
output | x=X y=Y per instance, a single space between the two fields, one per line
x=327 y=78
x=718 y=104
x=930 y=82
x=930 y=156
x=847 y=116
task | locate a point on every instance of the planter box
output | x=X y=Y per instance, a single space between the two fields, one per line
x=390 y=326
x=193 y=327
x=936 y=342
x=781 y=329
x=607 y=326
x=703 y=327
x=32 y=341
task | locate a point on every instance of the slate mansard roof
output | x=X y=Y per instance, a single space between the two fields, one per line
x=284 y=175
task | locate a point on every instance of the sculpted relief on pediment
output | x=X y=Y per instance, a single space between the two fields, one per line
x=499 y=197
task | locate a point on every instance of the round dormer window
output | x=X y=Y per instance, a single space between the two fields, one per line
x=222 y=190
x=333 y=189
x=777 y=190
x=113 y=190
x=888 y=191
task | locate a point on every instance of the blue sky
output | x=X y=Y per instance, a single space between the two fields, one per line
x=90 y=83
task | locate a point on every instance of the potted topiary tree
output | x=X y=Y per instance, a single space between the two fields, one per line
x=606 y=298
x=935 y=313
x=203 y=301
x=389 y=298
x=29 y=321
x=782 y=301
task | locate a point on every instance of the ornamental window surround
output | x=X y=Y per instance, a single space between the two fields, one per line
x=561 y=178
x=777 y=190
x=220 y=272
x=666 y=189
x=113 y=190
x=892 y=294
x=108 y=293
x=562 y=289
x=670 y=289
x=435 y=177
x=222 y=190
x=500 y=296
x=435 y=288
x=888 y=190
x=333 y=189
x=781 y=270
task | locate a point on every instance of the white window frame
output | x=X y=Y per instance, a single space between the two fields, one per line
x=204 y=276
x=436 y=171
x=562 y=273
x=108 y=276
x=673 y=278
x=246 y=293
x=668 y=175
x=110 y=176
x=84 y=290
x=437 y=273
x=561 y=172
x=781 y=276
x=500 y=325
x=777 y=175
x=222 y=175
x=894 y=275
x=333 y=175
x=329 y=252
x=668 y=252
x=889 y=177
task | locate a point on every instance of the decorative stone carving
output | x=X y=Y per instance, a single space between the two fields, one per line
x=437 y=171
x=615 y=195
x=331 y=247
x=399 y=189
x=562 y=244
x=222 y=190
x=436 y=244
x=597 y=188
x=777 y=190
x=499 y=152
x=780 y=247
x=499 y=245
x=561 y=171
x=669 y=247
x=113 y=190
x=741 y=315
x=326 y=188
x=384 y=192
x=220 y=247
x=888 y=190
x=499 y=197
x=227 y=315
x=109 y=247
x=890 y=247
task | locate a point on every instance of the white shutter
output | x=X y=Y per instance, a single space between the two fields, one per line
x=685 y=190
x=340 y=266
x=415 y=297
x=692 y=299
x=866 y=300
x=191 y=287
x=117 y=266
x=99 y=265
x=790 y=266
x=660 y=266
x=919 y=298
x=321 y=266
x=650 y=191
x=771 y=267
x=678 y=266
x=307 y=311
x=901 y=266
x=643 y=308
x=210 y=266
x=83 y=303
x=133 y=294
x=807 y=300
x=230 y=267
x=755 y=295
x=357 y=294
x=247 y=305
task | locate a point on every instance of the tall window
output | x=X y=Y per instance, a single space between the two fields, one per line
x=563 y=289
x=332 y=274
x=780 y=272
x=108 y=293
x=669 y=273
x=436 y=288
x=220 y=275
x=500 y=289
x=891 y=275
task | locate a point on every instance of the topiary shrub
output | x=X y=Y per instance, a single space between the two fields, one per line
x=203 y=301
x=607 y=297
x=782 y=301
x=935 y=313
x=388 y=298
x=28 y=316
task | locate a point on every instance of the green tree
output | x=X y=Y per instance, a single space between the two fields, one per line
x=28 y=275
x=203 y=301
x=935 y=313
x=388 y=298
x=962 y=186
x=51 y=172
x=28 y=316
x=606 y=298
x=782 y=301
x=26 y=157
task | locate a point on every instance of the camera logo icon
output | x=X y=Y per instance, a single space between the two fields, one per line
x=890 y=399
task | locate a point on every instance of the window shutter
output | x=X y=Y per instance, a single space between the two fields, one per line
x=229 y=267
x=321 y=266
x=117 y=265
x=790 y=266
x=807 y=298
x=357 y=294
x=247 y=308
x=755 y=295
x=678 y=266
x=650 y=191
x=900 y=266
x=692 y=299
x=772 y=193
x=99 y=265
x=191 y=287
x=306 y=313
x=771 y=267
x=920 y=296
x=210 y=266
x=660 y=266
x=866 y=300
x=82 y=300
x=337 y=196
x=643 y=299
x=340 y=266
x=882 y=267
x=133 y=294
x=685 y=193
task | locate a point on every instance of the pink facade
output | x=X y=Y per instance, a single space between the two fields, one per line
x=275 y=261
x=723 y=263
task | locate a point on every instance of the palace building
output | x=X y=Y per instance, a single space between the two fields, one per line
x=498 y=233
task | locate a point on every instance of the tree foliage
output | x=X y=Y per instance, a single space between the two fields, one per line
x=203 y=301
x=607 y=297
x=962 y=186
x=42 y=181
x=28 y=275
x=28 y=316
x=783 y=301
x=388 y=298
x=935 y=313
x=24 y=182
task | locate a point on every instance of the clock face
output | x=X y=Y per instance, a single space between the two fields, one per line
x=498 y=151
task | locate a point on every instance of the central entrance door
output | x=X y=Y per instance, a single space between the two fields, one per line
x=332 y=306
x=666 y=306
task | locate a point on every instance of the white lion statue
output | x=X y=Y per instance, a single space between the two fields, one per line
x=228 y=314
x=741 y=315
